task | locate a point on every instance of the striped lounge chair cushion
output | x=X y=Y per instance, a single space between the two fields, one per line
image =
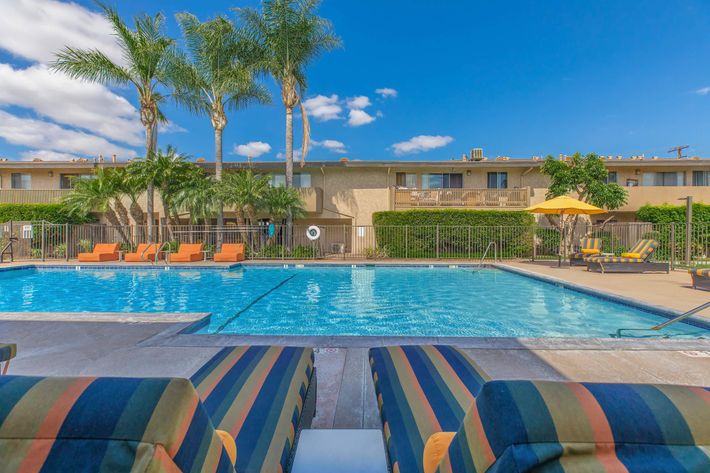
x=703 y=273
x=256 y=394
x=588 y=244
x=105 y=425
x=526 y=426
x=644 y=248
x=421 y=390
x=7 y=352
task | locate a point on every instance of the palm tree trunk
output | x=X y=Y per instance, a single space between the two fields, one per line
x=150 y=191
x=218 y=175
x=121 y=212
x=114 y=221
x=289 y=170
x=137 y=213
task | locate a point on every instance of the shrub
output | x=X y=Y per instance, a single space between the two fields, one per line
x=673 y=213
x=453 y=217
x=303 y=252
x=663 y=215
x=53 y=213
x=271 y=251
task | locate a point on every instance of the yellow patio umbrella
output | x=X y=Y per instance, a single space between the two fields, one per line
x=561 y=206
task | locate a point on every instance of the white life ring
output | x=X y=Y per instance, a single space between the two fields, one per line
x=313 y=232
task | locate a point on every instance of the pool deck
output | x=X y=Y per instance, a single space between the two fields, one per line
x=153 y=345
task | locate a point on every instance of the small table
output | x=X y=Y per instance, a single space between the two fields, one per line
x=340 y=450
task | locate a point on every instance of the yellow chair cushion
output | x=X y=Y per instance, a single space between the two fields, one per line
x=230 y=446
x=631 y=255
x=435 y=449
x=590 y=251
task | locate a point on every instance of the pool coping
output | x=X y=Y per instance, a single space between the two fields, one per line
x=183 y=325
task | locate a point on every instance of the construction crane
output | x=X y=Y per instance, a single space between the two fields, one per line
x=679 y=150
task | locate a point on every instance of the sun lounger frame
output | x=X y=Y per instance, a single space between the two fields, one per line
x=645 y=267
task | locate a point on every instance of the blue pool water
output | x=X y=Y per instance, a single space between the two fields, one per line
x=408 y=301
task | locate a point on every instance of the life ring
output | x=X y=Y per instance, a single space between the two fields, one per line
x=313 y=232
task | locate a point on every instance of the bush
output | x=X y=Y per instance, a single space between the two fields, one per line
x=663 y=215
x=53 y=213
x=673 y=213
x=303 y=252
x=452 y=233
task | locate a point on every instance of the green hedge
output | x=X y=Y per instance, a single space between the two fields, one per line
x=673 y=213
x=452 y=233
x=53 y=213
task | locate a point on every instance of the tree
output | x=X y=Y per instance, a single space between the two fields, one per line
x=280 y=202
x=132 y=187
x=286 y=36
x=212 y=78
x=145 y=52
x=586 y=177
x=200 y=198
x=245 y=191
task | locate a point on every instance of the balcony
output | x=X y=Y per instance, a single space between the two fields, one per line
x=658 y=195
x=497 y=199
x=32 y=196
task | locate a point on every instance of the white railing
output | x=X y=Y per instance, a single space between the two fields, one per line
x=462 y=198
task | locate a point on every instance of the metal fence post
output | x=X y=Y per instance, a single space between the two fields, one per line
x=43 y=242
x=437 y=241
x=672 y=246
x=688 y=230
x=406 y=241
x=66 y=241
x=469 y=242
x=534 y=245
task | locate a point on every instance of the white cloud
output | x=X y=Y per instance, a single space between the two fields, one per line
x=358 y=103
x=386 y=92
x=323 y=108
x=253 y=149
x=420 y=144
x=40 y=134
x=71 y=102
x=296 y=155
x=171 y=127
x=359 y=118
x=46 y=155
x=36 y=29
x=331 y=145
x=703 y=91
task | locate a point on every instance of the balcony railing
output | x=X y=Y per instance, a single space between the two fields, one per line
x=461 y=198
x=32 y=196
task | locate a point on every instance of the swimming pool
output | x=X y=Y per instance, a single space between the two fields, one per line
x=382 y=301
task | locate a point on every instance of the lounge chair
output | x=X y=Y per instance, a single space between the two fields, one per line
x=231 y=253
x=188 y=253
x=101 y=252
x=701 y=278
x=144 y=253
x=587 y=247
x=8 y=351
x=525 y=426
x=636 y=260
x=246 y=405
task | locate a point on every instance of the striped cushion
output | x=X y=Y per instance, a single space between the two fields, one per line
x=591 y=244
x=644 y=248
x=703 y=273
x=421 y=390
x=105 y=425
x=546 y=426
x=614 y=259
x=7 y=352
x=257 y=394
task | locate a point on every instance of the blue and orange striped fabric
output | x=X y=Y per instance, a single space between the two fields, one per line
x=8 y=351
x=106 y=425
x=545 y=426
x=257 y=394
x=421 y=390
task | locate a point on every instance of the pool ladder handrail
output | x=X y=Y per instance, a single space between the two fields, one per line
x=485 y=253
x=8 y=246
x=162 y=250
x=665 y=324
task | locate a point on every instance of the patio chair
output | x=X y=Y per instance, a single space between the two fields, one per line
x=144 y=253
x=588 y=247
x=241 y=412
x=701 y=278
x=636 y=260
x=188 y=253
x=8 y=351
x=101 y=252
x=231 y=253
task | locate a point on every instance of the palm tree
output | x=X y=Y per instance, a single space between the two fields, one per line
x=280 y=202
x=212 y=78
x=199 y=198
x=145 y=52
x=132 y=187
x=245 y=191
x=286 y=36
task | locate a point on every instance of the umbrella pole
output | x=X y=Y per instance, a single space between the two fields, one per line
x=562 y=240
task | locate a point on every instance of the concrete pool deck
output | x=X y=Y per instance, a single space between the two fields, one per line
x=152 y=345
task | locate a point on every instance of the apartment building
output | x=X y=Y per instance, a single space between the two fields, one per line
x=349 y=192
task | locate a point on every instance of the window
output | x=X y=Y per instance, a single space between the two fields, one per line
x=701 y=178
x=497 y=180
x=299 y=180
x=632 y=182
x=66 y=180
x=611 y=177
x=442 y=181
x=664 y=179
x=406 y=180
x=21 y=181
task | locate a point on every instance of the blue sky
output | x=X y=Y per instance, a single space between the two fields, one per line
x=517 y=78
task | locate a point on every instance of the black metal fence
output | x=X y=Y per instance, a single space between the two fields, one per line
x=680 y=245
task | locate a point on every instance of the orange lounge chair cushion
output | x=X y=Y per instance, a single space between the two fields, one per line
x=102 y=252
x=143 y=253
x=188 y=252
x=231 y=252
